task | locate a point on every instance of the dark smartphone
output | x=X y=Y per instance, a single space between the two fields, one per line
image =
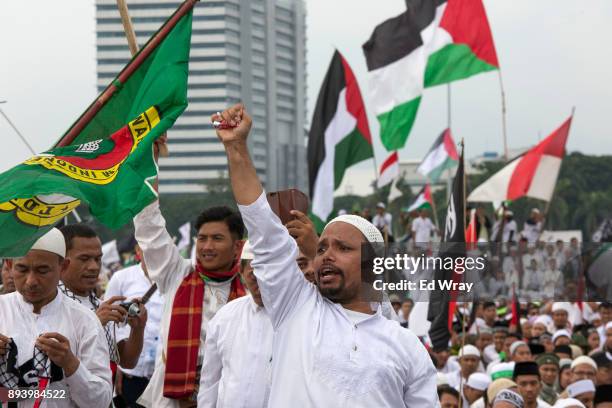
x=284 y=201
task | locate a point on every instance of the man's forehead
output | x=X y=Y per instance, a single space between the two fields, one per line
x=38 y=257
x=86 y=244
x=214 y=227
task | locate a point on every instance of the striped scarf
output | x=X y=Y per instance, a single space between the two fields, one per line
x=185 y=327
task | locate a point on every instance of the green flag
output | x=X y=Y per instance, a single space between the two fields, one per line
x=109 y=164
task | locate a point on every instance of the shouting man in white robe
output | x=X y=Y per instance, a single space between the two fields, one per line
x=330 y=348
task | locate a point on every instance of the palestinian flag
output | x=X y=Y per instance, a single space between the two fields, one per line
x=423 y=199
x=107 y=162
x=441 y=156
x=431 y=43
x=339 y=137
x=442 y=303
x=389 y=170
x=532 y=174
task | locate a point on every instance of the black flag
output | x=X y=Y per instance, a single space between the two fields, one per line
x=442 y=303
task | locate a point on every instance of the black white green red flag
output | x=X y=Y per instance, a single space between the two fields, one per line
x=431 y=43
x=339 y=137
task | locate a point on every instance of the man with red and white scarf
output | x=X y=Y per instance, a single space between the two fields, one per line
x=193 y=294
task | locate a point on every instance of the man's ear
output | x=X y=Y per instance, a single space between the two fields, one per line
x=64 y=265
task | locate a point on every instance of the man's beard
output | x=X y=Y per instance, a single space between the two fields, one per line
x=335 y=293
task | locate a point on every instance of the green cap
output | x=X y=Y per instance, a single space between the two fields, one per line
x=547 y=358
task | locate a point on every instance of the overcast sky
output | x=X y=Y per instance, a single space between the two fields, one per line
x=554 y=54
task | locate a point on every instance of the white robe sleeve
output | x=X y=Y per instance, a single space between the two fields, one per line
x=163 y=259
x=281 y=283
x=210 y=375
x=91 y=384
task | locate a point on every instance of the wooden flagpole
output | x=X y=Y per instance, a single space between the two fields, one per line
x=127 y=26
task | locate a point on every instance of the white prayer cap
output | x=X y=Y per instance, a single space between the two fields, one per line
x=479 y=381
x=609 y=325
x=247 y=252
x=583 y=360
x=535 y=210
x=469 y=350
x=53 y=241
x=547 y=321
x=441 y=378
x=380 y=205
x=561 y=333
x=557 y=306
x=369 y=231
x=516 y=345
x=568 y=403
x=593 y=317
x=580 y=387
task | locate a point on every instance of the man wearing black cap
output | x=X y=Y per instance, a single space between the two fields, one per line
x=548 y=366
x=603 y=396
x=527 y=376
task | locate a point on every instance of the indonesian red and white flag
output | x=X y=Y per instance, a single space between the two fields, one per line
x=533 y=174
x=389 y=170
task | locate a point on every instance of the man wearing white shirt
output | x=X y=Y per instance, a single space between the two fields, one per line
x=532 y=228
x=44 y=336
x=237 y=367
x=215 y=281
x=131 y=283
x=330 y=348
x=422 y=229
x=383 y=220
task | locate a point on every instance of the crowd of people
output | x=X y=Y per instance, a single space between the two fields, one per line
x=274 y=320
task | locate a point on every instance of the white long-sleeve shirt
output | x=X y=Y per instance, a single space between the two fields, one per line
x=132 y=282
x=90 y=385
x=320 y=357
x=237 y=368
x=167 y=268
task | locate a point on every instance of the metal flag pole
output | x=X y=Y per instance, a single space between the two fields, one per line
x=503 y=103
x=22 y=137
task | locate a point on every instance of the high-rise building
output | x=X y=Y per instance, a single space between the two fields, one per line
x=252 y=51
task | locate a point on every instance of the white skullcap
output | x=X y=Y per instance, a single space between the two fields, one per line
x=557 y=306
x=380 y=205
x=469 y=350
x=53 y=241
x=593 y=317
x=580 y=387
x=516 y=345
x=568 y=403
x=609 y=325
x=479 y=381
x=511 y=397
x=535 y=210
x=583 y=360
x=369 y=231
x=247 y=252
x=441 y=379
x=561 y=333
x=546 y=320
x=576 y=351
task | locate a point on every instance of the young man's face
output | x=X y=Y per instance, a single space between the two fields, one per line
x=483 y=340
x=338 y=262
x=472 y=394
x=469 y=365
x=85 y=256
x=216 y=247
x=441 y=357
x=560 y=319
x=489 y=314
x=36 y=276
x=449 y=401
x=306 y=266
x=529 y=387
x=499 y=338
x=521 y=354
